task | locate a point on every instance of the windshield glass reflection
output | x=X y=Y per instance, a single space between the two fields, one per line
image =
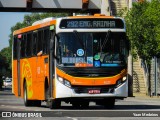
x=94 y=49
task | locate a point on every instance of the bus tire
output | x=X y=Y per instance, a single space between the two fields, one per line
x=85 y=105
x=109 y=103
x=54 y=104
x=37 y=103
x=26 y=101
x=76 y=105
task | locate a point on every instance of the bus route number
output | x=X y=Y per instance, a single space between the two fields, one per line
x=77 y=24
x=91 y=24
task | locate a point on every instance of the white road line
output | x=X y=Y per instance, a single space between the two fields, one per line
x=72 y=118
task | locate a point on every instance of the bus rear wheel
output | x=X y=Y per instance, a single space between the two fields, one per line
x=26 y=101
x=30 y=102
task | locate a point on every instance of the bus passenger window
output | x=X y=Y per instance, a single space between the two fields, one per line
x=15 y=48
x=40 y=40
x=46 y=41
x=29 y=43
x=34 y=43
x=23 y=42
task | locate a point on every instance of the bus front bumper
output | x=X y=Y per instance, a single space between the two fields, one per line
x=63 y=91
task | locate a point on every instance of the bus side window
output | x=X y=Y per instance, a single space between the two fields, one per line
x=15 y=48
x=25 y=44
x=46 y=41
x=23 y=41
x=34 y=49
x=40 y=41
x=29 y=44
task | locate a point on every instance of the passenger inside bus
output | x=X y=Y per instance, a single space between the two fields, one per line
x=68 y=53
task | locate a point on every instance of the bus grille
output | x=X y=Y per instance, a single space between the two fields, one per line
x=84 y=89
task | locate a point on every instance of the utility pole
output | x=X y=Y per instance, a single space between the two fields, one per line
x=130 y=75
x=155 y=76
x=105 y=8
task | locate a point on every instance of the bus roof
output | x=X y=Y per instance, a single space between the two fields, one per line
x=49 y=22
x=34 y=27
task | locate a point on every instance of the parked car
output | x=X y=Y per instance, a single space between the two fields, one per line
x=7 y=82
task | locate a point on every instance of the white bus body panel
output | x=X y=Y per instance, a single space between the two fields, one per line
x=63 y=91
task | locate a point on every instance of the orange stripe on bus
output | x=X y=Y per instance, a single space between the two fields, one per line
x=35 y=27
x=91 y=16
x=91 y=81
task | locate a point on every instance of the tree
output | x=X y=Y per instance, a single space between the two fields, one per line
x=4 y=66
x=28 y=20
x=143 y=29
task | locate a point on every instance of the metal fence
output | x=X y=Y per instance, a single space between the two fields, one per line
x=152 y=76
x=155 y=76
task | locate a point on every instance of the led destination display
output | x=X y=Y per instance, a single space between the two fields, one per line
x=91 y=23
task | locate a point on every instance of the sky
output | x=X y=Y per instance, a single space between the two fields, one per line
x=7 y=20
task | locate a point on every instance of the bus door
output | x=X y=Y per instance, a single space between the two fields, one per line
x=52 y=62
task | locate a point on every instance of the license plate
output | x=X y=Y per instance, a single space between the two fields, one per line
x=94 y=91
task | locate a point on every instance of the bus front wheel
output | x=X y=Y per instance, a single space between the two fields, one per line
x=54 y=104
x=109 y=103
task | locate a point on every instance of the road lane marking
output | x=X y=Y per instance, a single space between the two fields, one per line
x=72 y=118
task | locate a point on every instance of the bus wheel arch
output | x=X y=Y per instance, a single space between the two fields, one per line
x=25 y=97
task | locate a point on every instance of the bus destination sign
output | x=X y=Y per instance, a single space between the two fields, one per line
x=91 y=23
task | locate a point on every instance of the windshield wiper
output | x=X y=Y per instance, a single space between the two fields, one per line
x=106 y=39
x=79 y=39
x=81 y=43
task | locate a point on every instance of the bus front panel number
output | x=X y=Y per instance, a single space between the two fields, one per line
x=72 y=24
x=94 y=91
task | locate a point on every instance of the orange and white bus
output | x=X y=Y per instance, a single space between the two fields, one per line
x=75 y=59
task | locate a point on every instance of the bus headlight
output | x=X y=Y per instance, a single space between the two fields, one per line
x=63 y=81
x=67 y=83
x=124 y=78
x=121 y=81
x=60 y=79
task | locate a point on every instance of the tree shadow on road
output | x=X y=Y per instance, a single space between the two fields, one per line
x=117 y=107
x=137 y=107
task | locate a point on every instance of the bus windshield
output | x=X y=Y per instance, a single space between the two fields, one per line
x=92 y=49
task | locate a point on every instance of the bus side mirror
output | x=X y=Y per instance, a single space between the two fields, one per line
x=51 y=44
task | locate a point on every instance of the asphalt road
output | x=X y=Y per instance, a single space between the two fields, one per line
x=129 y=108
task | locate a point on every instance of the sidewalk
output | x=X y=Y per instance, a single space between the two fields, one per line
x=144 y=96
